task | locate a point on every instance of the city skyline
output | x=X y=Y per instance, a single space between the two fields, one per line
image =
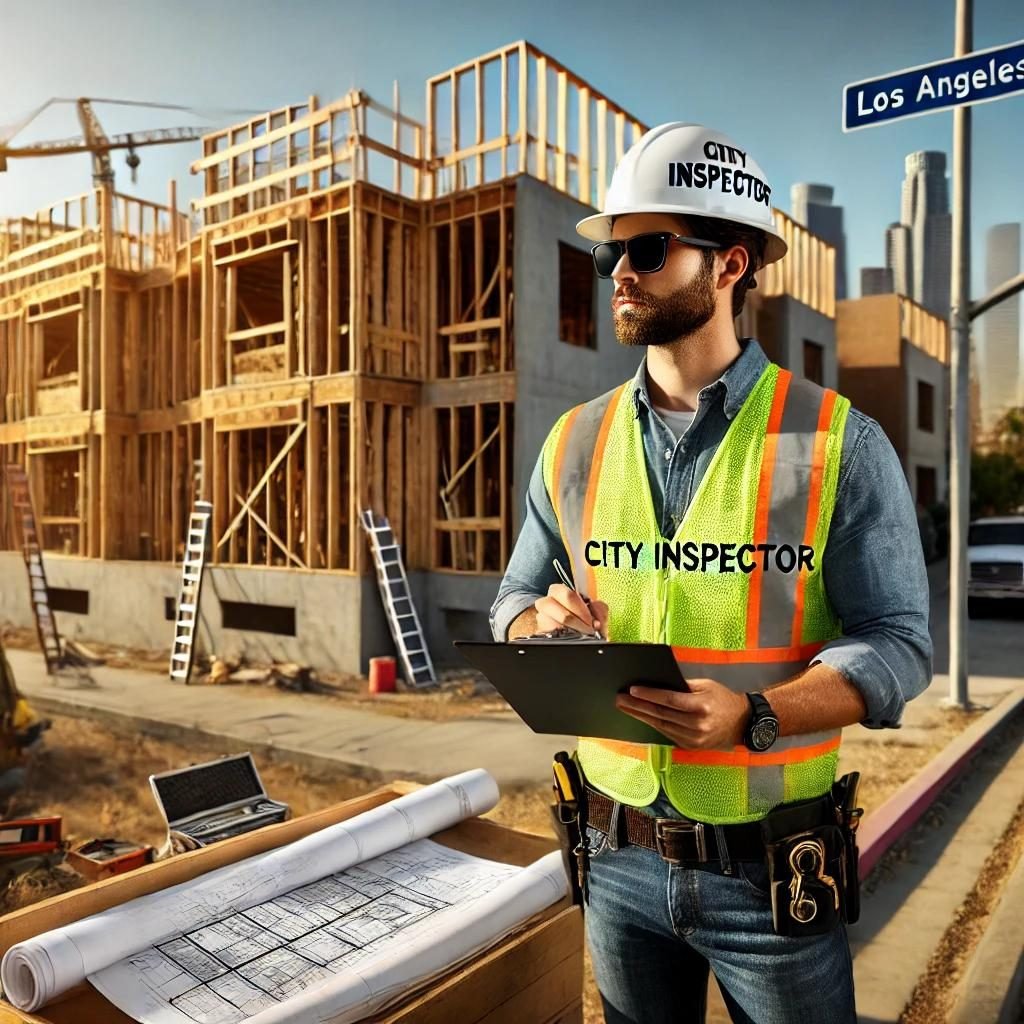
x=709 y=69
x=812 y=205
x=1000 y=356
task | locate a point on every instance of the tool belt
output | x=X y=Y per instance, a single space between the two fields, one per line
x=809 y=847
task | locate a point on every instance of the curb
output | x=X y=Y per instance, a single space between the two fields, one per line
x=908 y=804
x=993 y=983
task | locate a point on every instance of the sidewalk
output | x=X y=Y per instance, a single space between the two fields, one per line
x=305 y=728
x=318 y=731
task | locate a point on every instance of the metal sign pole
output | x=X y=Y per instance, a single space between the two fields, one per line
x=959 y=332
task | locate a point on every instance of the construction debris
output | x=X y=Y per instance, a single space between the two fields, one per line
x=76 y=653
x=103 y=858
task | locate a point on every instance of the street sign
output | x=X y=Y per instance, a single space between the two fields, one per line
x=957 y=81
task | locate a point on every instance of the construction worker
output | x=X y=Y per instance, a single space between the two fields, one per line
x=718 y=848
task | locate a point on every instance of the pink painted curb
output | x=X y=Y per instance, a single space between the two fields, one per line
x=905 y=807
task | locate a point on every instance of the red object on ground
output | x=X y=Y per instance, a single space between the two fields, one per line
x=382 y=675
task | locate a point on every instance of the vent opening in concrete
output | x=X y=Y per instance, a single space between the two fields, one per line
x=170 y=607
x=64 y=599
x=258 y=618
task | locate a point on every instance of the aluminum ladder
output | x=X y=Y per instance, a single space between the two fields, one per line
x=46 y=625
x=191 y=582
x=394 y=591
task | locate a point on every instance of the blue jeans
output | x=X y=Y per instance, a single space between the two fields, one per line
x=654 y=929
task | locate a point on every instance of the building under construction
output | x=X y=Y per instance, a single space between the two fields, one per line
x=361 y=311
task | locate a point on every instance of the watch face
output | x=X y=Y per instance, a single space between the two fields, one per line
x=764 y=733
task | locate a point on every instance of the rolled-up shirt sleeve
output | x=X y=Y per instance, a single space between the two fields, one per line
x=530 y=568
x=875 y=578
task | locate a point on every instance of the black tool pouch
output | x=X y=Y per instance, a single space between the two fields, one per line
x=844 y=795
x=806 y=869
x=571 y=838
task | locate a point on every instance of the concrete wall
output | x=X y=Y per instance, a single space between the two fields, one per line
x=784 y=324
x=552 y=376
x=127 y=607
x=925 y=448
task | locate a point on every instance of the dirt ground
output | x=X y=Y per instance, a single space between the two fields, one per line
x=97 y=778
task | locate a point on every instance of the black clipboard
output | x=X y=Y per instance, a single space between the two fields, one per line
x=569 y=688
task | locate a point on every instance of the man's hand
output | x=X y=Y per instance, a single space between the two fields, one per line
x=564 y=607
x=710 y=717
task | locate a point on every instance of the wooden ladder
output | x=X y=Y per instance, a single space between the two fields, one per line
x=191 y=582
x=46 y=625
x=394 y=591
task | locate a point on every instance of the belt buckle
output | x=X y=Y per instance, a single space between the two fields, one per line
x=664 y=827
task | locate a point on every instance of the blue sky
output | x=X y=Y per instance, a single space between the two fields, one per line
x=769 y=74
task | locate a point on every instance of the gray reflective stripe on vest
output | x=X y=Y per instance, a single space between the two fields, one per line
x=787 y=507
x=574 y=479
x=752 y=676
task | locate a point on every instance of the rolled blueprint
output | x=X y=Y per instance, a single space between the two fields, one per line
x=41 y=968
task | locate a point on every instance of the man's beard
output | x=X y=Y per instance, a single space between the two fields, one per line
x=661 y=321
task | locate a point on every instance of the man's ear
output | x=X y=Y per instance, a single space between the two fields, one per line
x=735 y=261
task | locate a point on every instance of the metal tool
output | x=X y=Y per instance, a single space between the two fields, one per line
x=569 y=583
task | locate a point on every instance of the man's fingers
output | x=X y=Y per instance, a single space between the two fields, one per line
x=557 y=613
x=566 y=596
x=676 y=734
x=692 y=703
x=677 y=719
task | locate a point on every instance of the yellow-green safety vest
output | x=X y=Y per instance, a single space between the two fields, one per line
x=772 y=481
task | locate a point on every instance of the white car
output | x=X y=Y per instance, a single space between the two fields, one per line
x=995 y=551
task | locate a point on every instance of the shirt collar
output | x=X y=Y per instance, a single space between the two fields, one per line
x=737 y=382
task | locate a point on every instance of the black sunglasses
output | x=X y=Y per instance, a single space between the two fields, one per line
x=647 y=253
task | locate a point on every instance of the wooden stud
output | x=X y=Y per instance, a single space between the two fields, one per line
x=523 y=135
x=583 y=160
x=542 y=119
x=562 y=145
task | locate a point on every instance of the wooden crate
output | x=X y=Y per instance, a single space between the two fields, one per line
x=534 y=975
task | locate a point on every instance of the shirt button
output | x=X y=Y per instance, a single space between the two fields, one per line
x=668 y=454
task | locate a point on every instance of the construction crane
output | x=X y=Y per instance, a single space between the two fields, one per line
x=95 y=140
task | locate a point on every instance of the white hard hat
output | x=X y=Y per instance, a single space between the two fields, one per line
x=688 y=169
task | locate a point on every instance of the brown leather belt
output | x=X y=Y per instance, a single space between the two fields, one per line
x=677 y=841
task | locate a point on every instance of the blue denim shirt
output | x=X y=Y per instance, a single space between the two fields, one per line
x=873 y=566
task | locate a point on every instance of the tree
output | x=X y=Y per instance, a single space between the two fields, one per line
x=997 y=477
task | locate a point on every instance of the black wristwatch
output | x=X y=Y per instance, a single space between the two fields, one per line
x=763 y=727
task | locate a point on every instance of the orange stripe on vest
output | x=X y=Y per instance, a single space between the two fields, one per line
x=743 y=758
x=748 y=656
x=764 y=494
x=591 y=499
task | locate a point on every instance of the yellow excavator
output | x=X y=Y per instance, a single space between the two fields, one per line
x=20 y=730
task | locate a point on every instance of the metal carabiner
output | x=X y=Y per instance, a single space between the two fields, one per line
x=812 y=850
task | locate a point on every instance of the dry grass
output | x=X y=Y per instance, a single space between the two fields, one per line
x=933 y=996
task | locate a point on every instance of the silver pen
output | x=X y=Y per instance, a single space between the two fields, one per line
x=569 y=583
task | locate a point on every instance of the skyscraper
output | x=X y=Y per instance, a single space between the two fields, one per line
x=899 y=258
x=924 y=209
x=1001 y=355
x=875 y=281
x=812 y=207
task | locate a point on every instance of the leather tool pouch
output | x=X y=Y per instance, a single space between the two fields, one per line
x=806 y=869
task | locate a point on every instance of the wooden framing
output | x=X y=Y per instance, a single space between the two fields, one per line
x=537 y=100
x=336 y=334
